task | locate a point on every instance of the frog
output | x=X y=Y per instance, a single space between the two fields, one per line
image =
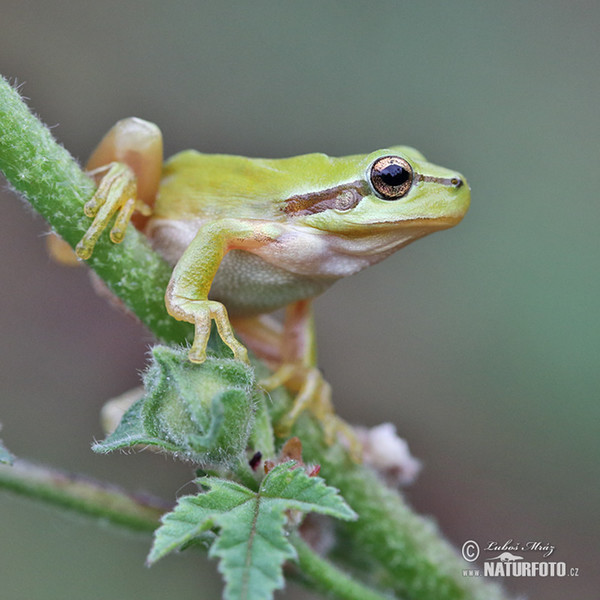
x=248 y=236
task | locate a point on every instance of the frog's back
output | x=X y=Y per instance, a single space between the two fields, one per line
x=204 y=186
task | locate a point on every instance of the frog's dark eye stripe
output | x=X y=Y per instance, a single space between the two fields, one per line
x=455 y=182
x=342 y=197
x=391 y=177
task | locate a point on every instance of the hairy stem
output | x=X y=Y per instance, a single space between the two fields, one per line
x=83 y=495
x=406 y=550
x=52 y=181
x=326 y=578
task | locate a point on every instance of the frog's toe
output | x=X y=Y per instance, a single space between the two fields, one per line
x=197 y=355
x=85 y=246
x=219 y=314
x=117 y=233
x=116 y=194
x=336 y=428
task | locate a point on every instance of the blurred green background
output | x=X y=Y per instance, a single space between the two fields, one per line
x=481 y=343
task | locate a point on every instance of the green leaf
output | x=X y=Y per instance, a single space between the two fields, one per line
x=6 y=458
x=252 y=544
x=202 y=412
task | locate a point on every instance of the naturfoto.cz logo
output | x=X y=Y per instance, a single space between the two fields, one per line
x=504 y=563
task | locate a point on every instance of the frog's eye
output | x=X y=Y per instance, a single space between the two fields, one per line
x=391 y=177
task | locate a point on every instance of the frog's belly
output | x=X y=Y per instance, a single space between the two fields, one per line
x=247 y=285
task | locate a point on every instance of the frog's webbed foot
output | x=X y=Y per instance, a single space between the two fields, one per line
x=313 y=395
x=116 y=194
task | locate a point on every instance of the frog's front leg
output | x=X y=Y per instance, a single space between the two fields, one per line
x=128 y=163
x=187 y=293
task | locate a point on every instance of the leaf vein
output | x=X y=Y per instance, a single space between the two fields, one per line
x=248 y=561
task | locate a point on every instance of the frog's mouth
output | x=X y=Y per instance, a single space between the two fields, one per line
x=434 y=223
x=419 y=226
x=448 y=219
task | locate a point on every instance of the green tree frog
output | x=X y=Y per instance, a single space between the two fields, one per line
x=247 y=236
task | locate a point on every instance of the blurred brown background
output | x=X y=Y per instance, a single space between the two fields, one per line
x=481 y=343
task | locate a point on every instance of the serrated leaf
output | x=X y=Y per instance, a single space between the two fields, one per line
x=252 y=544
x=6 y=458
x=306 y=494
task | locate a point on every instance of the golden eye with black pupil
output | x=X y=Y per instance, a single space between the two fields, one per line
x=391 y=177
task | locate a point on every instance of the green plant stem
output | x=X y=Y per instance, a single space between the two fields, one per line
x=52 y=181
x=326 y=578
x=406 y=550
x=82 y=495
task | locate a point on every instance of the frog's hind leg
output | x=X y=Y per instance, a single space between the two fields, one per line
x=127 y=165
x=291 y=350
x=264 y=335
x=137 y=144
x=281 y=344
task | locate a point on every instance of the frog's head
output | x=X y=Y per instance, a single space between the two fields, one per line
x=391 y=189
